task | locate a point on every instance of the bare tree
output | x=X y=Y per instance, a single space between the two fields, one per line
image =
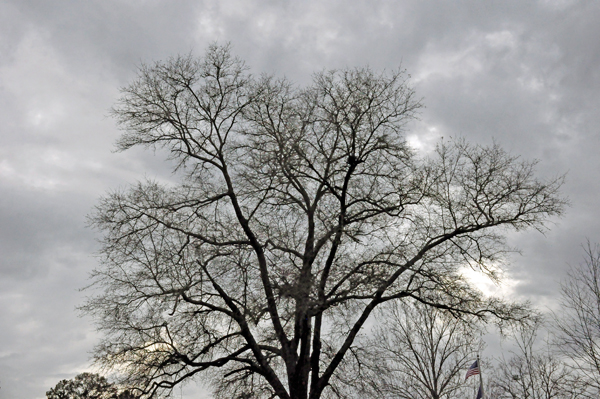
x=299 y=212
x=418 y=352
x=536 y=372
x=578 y=323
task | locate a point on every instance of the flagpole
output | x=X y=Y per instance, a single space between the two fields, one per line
x=480 y=377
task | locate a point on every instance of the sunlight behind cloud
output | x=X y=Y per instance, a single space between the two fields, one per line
x=424 y=139
x=505 y=288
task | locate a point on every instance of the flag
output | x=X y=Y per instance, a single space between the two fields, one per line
x=473 y=370
x=480 y=393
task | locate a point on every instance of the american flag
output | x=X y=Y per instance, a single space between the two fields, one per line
x=473 y=370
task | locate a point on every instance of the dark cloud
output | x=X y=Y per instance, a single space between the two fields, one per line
x=522 y=73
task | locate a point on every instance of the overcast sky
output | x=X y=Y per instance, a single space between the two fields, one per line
x=523 y=73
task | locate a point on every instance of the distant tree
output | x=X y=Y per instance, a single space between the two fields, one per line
x=88 y=386
x=85 y=385
x=578 y=322
x=535 y=371
x=417 y=352
x=300 y=211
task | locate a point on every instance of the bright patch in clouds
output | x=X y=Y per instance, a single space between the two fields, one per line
x=424 y=139
x=504 y=288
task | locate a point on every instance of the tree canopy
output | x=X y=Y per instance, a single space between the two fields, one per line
x=88 y=386
x=298 y=211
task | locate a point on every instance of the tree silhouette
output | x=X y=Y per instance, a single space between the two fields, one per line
x=299 y=211
x=88 y=386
